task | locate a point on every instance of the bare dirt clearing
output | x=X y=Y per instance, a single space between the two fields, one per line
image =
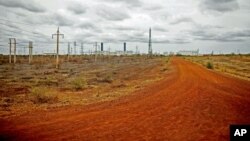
x=191 y=103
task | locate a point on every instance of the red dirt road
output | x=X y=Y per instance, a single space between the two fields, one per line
x=191 y=103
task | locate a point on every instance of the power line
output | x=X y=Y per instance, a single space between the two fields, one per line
x=27 y=24
x=21 y=33
x=35 y=33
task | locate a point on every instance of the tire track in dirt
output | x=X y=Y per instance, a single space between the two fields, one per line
x=192 y=103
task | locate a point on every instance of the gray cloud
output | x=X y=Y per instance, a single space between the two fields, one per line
x=132 y=3
x=123 y=28
x=77 y=7
x=23 y=4
x=117 y=21
x=219 y=5
x=231 y=36
x=62 y=21
x=159 y=28
x=182 y=20
x=171 y=41
x=153 y=7
x=86 y=25
x=111 y=13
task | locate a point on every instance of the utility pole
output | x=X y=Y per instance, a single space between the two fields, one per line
x=30 y=52
x=57 y=46
x=95 y=51
x=150 y=44
x=68 y=50
x=10 y=56
x=10 y=51
x=81 y=48
x=75 y=48
x=136 y=50
x=14 y=50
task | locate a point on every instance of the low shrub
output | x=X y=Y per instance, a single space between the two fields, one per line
x=107 y=79
x=42 y=95
x=210 y=65
x=79 y=83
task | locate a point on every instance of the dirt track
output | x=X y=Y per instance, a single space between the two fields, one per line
x=192 y=103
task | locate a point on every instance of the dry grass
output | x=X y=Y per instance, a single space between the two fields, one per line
x=40 y=95
x=235 y=65
x=79 y=82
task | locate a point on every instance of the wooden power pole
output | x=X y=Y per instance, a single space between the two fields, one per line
x=68 y=50
x=95 y=51
x=10 y=51
x=57 y=46
x=30 y=52
x=10 y=55
x=14 y=50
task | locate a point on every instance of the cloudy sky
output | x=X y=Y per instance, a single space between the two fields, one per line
x=222 y=26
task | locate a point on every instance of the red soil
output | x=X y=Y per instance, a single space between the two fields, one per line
x=192 y=103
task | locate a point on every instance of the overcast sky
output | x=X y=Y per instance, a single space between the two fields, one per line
x=222 y=26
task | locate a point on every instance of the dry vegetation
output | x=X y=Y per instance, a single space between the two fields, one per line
x=235 y=65
x=80 y=81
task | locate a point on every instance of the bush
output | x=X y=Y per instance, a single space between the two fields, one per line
x=42 y=95
x=210 y=65
x=79 y=83
x=107 y=79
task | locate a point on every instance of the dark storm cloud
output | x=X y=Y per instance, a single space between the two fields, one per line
x=219 y=5
x=23 y=4
x=112 y=14
x=182 y=20
x=77 y=7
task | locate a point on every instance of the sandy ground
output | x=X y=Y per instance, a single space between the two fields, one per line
x=191 y=103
